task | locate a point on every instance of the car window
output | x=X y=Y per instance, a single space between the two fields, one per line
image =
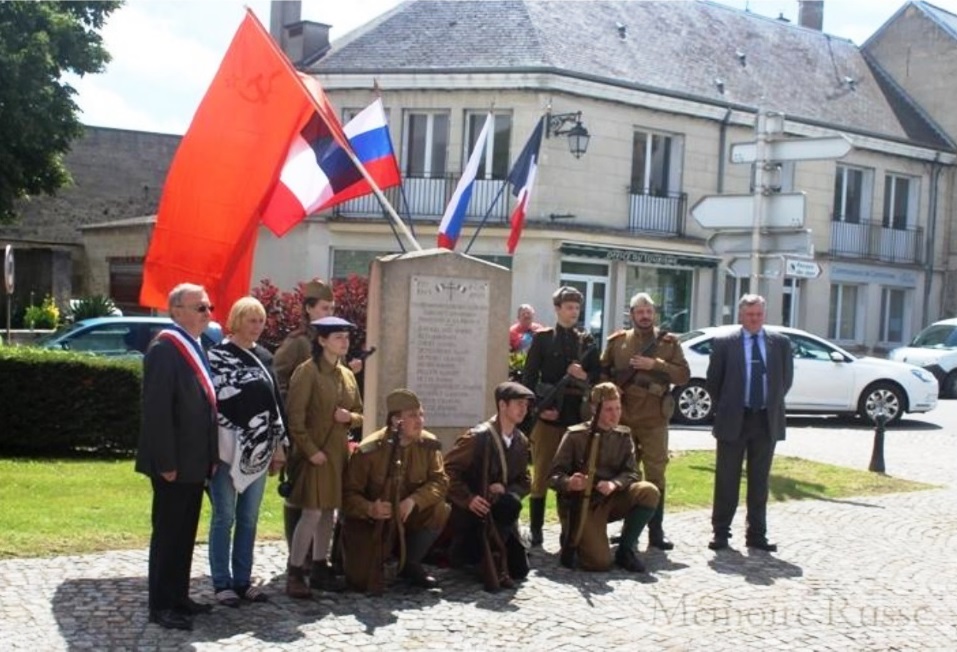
x=703 y=347
x=684 y=337
x=936 y=336
x=806 y=348
x=104 y=339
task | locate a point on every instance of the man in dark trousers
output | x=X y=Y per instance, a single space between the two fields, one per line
x=177 y=449
x=749 y=374
x=563 y=353
x=488 y=478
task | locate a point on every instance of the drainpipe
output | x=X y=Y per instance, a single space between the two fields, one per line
x=716 y=297
x=936 y=168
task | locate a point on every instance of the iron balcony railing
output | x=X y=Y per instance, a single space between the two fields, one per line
x=657 y=213
x=427 y=198
x=872 y=240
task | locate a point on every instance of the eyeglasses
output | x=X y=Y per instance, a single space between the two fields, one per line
x=203 y=307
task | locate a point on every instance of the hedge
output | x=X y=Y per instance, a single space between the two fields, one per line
x=57 y=402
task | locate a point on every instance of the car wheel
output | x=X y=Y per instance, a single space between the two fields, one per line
x=693 y=404
x=882 y=395
x=948 y=387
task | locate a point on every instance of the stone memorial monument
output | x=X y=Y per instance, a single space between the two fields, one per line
x=440 y=321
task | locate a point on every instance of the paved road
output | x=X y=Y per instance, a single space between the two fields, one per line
x=875 y=573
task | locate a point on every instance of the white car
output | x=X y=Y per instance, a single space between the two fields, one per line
x=827 y=380
x=934 y=349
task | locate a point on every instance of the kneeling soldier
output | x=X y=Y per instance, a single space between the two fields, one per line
x=393 y=497
x=597 y=481
x=488 y=478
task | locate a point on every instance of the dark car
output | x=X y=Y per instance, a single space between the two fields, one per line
x=117 y=336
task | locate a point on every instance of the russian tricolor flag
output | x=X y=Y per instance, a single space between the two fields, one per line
x=451 y=225
x=318 y=173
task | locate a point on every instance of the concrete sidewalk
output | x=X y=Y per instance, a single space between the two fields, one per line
x=871 y=573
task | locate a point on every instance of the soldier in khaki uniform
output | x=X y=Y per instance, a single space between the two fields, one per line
x=596 y=477
x=559 y=354
x=422 y=484
x=645 y=362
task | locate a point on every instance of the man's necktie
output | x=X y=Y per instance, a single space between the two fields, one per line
x=756 y=391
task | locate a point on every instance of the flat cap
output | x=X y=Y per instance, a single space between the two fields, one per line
x=565 y=294
x=604 y=392
x=328 y=325
x=510 y=390
x=400 y=400
x=316 y=289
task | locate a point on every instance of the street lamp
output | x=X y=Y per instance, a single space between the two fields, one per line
x=578 y=136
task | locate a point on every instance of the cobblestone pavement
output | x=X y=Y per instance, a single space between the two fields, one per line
x=876 y=573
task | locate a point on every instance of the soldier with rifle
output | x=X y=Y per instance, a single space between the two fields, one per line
x=394 y=493
x=561 y=364
x=596 y=478
x=645 y=362
x=488 y=478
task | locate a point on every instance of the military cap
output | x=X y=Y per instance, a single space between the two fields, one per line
x=566 y=293
x=604 y=392
x=642 y=299
x=316 y=289
x=510 y=390
x=400 y=400
x=329 y=325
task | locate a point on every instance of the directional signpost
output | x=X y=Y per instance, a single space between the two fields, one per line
x=801 y=268
x=741 y=267
x=784 y=211
x=771 y=242
x=804 y=149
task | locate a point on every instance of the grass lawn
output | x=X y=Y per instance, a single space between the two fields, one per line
x=54 y=507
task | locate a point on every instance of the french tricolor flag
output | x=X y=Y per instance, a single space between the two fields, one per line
x=451 y=225
x=522 y=179
x=319 y=174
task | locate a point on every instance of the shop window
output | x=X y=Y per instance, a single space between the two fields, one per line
x=842 y=318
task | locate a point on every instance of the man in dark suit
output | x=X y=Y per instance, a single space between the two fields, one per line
x=748 y=376
x=177 y=449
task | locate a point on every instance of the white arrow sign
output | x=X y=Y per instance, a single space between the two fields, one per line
x=741 y=267
x=798 y=149
x=784 y=211
x=769 y=243
x=801 y=268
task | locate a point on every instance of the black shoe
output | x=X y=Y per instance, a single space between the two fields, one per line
x=537 y=538
x=193 y=608
x=416 y=575
x=627 y=559
x=657 y=539
x=761 y=544
x=718 y=543
x=567 y=557
x=170 y=619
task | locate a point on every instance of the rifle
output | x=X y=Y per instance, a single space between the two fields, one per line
x=624 y=378
x=553 y=396
x=362 y=355
x=494 y=553
x=581 y=502
x=386 y=530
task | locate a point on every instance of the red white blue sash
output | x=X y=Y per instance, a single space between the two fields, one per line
x=189 y=348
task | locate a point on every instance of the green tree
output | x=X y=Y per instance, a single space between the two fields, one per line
x=39 y=41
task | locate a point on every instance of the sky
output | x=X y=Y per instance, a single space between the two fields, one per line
x=165 y=52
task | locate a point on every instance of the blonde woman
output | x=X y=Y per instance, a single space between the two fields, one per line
x=252 y=438
x=323 y=403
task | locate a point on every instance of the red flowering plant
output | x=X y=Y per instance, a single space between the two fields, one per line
x=284 y=310
x=352 y=297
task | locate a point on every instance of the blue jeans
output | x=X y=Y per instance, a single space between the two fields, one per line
x=230 y=507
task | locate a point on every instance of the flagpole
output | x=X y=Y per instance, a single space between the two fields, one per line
x=498 y=195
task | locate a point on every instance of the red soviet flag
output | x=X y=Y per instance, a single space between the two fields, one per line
x=225 y=168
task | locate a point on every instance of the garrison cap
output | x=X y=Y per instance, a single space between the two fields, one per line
x=510 y=390
x=400 y=400
x=316 y=289
x=566 y=293
x=604 y=392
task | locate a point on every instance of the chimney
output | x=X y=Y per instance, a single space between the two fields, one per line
x=299 y=39
x=811 y=14
x=281 y=14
